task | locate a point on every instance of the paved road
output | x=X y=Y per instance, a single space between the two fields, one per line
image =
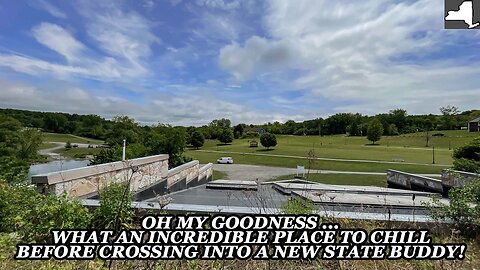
x=328 y=159
x=264 y=173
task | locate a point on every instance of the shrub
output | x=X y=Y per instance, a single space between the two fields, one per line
x=32 y=215
x=466 y=165
x=115 y=211
x=463 y=209
x=298 y=206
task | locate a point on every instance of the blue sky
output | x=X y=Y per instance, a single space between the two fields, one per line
x=188 y=62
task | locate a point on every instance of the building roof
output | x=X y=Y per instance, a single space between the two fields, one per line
x=476 y=120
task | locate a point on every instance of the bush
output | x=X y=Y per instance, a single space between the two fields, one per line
x=32 y=215
x=115 y=211
x=298 y=207
x=466 y=165
x=463 y=209
x=469 y=151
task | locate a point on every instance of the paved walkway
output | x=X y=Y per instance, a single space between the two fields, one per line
x=327 y=159
x=264 y=173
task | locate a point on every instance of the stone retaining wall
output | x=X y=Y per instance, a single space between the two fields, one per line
x=86 y=182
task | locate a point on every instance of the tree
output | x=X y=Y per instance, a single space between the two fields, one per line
x=375 y=130
x=268 y=140
x=226 y=136
x=197 y=139
x=448 y=116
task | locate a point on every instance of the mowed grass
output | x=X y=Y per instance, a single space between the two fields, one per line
x=344 y=179
x=78 y=152
x=409 y=147
x=206 y=157
x=46 y=146
x=57 y=137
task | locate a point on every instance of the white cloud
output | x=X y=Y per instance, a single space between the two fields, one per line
x=59 y=40
x=346 y=50
x=51 y=9
x=197 y=107
x=126 y=36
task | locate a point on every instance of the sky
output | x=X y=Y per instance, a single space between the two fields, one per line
x=189 y=62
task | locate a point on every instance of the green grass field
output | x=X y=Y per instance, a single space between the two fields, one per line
x=409 y=148
x=46 y=146
x=56 y=137
x=344 y=179
x=78 y=152
x=204 y=157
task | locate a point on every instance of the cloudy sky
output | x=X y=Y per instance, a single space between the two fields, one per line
x=188 y=62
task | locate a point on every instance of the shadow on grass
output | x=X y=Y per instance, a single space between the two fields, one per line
x=370 y=144
x=265 y=150
x=223 y=144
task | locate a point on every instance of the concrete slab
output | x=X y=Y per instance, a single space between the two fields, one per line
x=288 y=187
x=233 y=184
x=365 y=199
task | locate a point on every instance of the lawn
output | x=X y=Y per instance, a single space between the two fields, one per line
x=344 y=179
x=47 y=145
x=56 y=137
x=409 y=147
x=78 y=152
x=205 y=157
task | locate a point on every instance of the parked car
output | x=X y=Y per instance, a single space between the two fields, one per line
x=225 y=160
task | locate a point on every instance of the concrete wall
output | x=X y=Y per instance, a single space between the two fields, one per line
x=452 y=178
x=85 y=182
x=413 y=181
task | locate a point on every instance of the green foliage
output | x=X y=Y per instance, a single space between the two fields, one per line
x=9 y=135
x=124 y=128
x=107 y=155
x=226 y=136
x=469 y=151
x=32 y=215
x=298 y=206
x=463 y=209
x=268 y=140
x=467 y=157
x=375 y=131
x=68 y=145
x=466 y=165
x=167 y=140
x=250 y=135
x=115 y=211
x=30 y=141
x=197 y=139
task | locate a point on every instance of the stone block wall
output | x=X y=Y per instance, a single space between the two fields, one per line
x=86 y=182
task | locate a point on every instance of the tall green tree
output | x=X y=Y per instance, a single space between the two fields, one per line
x=268 y=140
x=197 y=139
x=226 y=136
x=375 y=131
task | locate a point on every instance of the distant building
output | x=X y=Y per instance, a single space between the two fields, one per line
x=474 y=125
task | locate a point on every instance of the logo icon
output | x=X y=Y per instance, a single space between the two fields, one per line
x=461 y=14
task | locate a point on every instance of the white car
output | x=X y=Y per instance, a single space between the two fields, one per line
x=225 y=160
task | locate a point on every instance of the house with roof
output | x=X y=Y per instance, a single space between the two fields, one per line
x=474 y=125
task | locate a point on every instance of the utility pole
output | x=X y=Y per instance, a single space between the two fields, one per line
x=124 y=146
